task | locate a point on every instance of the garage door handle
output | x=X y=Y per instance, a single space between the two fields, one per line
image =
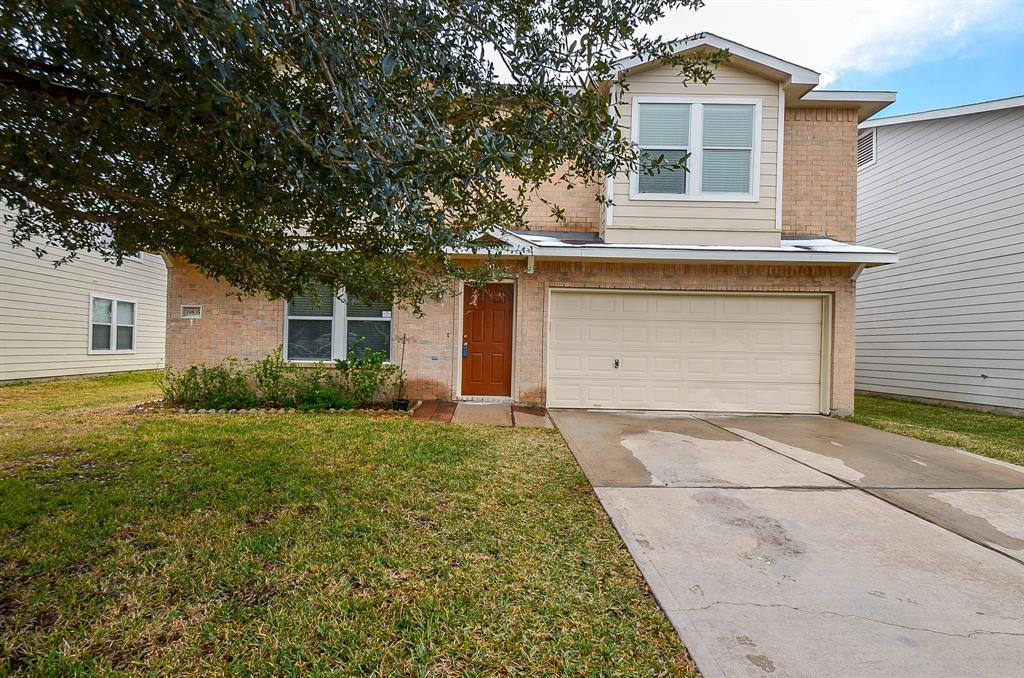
x=615 y=363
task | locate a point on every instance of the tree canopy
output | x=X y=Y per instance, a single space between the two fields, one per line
x=283 y=144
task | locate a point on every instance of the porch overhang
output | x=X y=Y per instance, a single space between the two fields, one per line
x=551 y=245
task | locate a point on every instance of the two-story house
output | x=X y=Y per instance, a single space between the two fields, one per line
x=729 y=287
x=947 y=324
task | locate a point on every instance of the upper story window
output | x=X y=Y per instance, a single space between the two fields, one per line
x=324 y=327
x=111 y=325
x=721 y=137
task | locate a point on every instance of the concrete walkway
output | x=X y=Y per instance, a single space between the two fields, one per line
x=499 y=414
x=808 y=546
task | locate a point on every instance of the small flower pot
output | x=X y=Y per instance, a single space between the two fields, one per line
x=400 y=405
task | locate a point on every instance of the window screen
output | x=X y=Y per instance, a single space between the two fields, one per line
x=728 y=139
x=664 y=131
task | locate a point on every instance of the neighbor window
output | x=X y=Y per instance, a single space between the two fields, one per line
x=111 y=325
x=324 y=326
x=720 y=138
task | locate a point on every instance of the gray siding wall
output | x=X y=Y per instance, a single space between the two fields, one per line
x=947 y=322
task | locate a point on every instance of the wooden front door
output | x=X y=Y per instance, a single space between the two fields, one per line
x=487 y=340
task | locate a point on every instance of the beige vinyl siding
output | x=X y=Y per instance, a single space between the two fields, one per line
x=947 y=322
x=668 y=220
x=44 y=312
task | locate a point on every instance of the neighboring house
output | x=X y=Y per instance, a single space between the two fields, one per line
x=699 y=291
x=83 y=317
x=946 y=189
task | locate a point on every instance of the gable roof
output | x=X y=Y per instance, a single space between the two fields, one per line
x=759 y=62
x=797 y=81
x=950 y=112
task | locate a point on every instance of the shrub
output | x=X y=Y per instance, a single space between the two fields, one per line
x=361 y=379
x=368 y=376
x=272 y=378
x=218 y=387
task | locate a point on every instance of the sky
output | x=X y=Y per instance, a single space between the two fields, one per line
x=933 y=53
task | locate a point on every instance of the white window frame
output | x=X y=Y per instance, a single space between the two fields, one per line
x=696 y=150
x=114 y=299
x=339 y=329
x=874 y=148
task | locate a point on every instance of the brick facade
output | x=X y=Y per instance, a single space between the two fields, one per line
x=819 y=173
x=582 y=210
x=252 y=327
x=246 y=327
x=431 y=356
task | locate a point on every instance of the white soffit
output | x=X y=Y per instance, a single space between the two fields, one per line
x=867 y=103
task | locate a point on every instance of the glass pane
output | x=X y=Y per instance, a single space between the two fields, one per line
x=356 y=308
x=319 y=304
x=125 y=313
x=125 y=338
x=726 y=172
x=728 y=125
x=664 y=124
x=665 y=181
x=102 y=310
x=376 y=335
x=309 y=339
x=100 y=338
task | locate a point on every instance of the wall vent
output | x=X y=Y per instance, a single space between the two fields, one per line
x=192 y=312
x=866 y=149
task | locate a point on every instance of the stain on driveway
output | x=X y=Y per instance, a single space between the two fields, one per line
x=807 y=546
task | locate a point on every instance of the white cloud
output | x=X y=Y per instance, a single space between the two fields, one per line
x=840 y=36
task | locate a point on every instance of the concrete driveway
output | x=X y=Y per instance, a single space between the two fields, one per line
x=808 y=546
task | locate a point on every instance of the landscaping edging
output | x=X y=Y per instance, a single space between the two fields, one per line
x=158 y=406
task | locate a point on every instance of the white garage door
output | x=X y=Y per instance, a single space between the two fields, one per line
x=728 y=353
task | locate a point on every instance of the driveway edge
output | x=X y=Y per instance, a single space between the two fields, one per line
x=687 y=632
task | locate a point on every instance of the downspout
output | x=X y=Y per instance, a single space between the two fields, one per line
x=609 y=181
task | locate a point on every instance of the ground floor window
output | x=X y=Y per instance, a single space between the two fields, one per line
x=324 y=326
x=111 y=325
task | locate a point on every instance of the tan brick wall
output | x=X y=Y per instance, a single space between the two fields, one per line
x=250 y=327
x=253 y=327
x=532 y=296
x=429 y=348
x=819 y=173
x=582 y=210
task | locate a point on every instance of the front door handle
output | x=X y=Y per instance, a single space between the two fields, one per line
x=465 y=350
x=615 y=364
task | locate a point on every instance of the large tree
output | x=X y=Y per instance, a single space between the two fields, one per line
x=287 y=143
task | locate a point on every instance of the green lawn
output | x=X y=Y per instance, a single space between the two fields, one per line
x=993 y=435
x=360 y=544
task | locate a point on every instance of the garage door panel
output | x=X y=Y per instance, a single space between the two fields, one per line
x=685 y=351
x=752 y=367
x=581 y=334
x=631 y=394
